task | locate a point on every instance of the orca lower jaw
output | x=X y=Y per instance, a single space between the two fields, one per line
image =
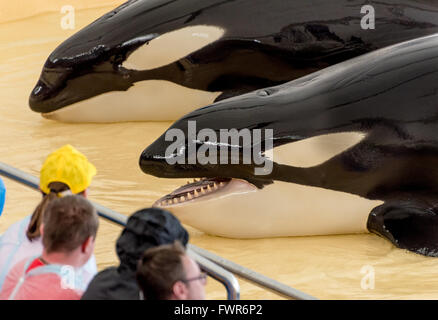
x=203 y=189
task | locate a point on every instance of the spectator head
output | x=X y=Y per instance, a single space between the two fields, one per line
x=65 y=171
x=69 y=227
x=167 y=273
x=2 y=195
x=145 y=229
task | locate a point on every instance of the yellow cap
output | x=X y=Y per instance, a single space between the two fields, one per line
x=69 y=166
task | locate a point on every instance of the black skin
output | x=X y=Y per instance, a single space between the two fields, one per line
x=266 y=43
x=390 y=95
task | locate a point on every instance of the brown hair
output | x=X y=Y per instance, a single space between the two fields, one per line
x=33 y=230
x=158 y=270
x=68 y=222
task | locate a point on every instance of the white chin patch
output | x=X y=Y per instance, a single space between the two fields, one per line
x=316 y=150
x=278 y=210
x=149 y=100
x=172 y=46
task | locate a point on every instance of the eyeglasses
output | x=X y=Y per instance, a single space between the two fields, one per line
x=202 y=276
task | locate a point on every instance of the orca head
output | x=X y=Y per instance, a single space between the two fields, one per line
x=193 y=146
x=229 y=198
x=195 y=203
x=120 y=63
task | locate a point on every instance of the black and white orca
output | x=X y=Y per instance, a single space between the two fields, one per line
x=355 y=148
x=158 y=59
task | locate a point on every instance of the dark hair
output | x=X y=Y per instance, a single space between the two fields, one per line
x=68 y=222
x=144 y=229
x=158 y=270
x=33 y=230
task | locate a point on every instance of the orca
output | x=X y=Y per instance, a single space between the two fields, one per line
x=154 y=60
x=355 y=149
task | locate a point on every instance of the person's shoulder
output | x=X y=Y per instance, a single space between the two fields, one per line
x=106 y=273
x=19 y=266
x=16 y=231
x=48 y=287
x=64 y=294
x=12 y=279
x=109 y=285
x=17 y=270
x=97 y=289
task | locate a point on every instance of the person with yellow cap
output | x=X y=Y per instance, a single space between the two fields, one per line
x=65 y=171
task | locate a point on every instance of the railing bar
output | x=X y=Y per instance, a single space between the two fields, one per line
x=254 y=277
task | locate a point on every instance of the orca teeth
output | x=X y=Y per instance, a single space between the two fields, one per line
x=193 y=190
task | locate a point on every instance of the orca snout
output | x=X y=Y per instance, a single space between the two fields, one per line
x=153 y=162
x=160 y=161
x=48 y=86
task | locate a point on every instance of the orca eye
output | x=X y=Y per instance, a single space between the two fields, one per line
x=266 y=92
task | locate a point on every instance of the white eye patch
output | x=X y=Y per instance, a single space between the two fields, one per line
x=316 y=150
x=172 y=46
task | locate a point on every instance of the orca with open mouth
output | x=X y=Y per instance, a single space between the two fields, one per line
x=159 y=59
x=355 y=147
